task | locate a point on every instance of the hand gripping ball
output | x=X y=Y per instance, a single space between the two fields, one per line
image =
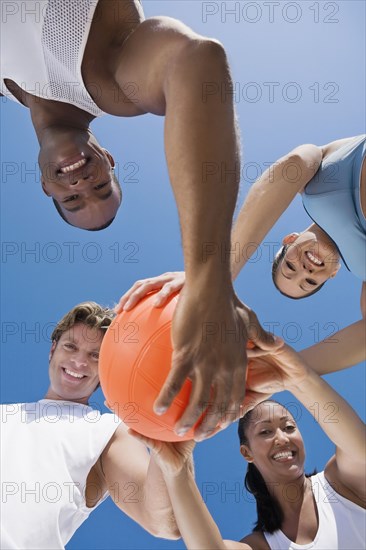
x=135 y=359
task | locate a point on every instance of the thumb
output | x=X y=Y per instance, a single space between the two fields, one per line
x=263 y=339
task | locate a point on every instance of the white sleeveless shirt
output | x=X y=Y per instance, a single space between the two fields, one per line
x=42 y=49
x=47 y=451
x=342 y=524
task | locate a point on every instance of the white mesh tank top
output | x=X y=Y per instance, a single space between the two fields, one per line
x=42 y=48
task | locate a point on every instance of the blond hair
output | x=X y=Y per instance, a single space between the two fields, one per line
x=90 y=314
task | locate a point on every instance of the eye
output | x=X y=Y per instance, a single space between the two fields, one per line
x=290 y=428
x=69 y=345
x=101 y=185
x=71 y=198
x=311 y=282
x=264 y=432
x=290 y=266
x=95 y=355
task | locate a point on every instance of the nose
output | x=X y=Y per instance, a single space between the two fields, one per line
x=281 y=437
x=309 y=269
x=80 y=182
x=80 y=360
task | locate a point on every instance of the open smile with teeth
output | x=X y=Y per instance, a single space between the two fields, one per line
x=283 y=455
x=72 y=167
x=74 y=374
x=313 y=259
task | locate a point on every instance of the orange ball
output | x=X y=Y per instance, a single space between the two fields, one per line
x=134 y=362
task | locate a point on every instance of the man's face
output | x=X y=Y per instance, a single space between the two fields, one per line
x=309 y=262
x=73 y=367
x=77 y=174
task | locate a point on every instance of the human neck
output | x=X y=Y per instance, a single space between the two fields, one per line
x=320 y=235
x=290 y=494
x=51 y=394
x=46 y=114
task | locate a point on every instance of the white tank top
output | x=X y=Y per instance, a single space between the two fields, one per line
x=47 y=451
x=342 y=524
x=42 y=48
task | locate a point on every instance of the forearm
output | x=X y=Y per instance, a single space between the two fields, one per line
x=158 y=506
x=202 y=152
x=196 y=525
x=269 y=197
x=336 y=417
x=343 y=349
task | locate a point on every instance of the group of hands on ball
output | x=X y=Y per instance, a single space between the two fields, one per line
x=270 y=366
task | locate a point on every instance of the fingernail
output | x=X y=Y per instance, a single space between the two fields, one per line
x=181 y=431
x=202 y=436
x=160 y=410
x=127 y=305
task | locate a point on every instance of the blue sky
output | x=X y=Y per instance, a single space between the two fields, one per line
x=299 y=76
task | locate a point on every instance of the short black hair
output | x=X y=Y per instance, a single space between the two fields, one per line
x=105 y=225
x=275 y=265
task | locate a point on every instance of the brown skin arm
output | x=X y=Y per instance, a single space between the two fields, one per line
x=172 y=69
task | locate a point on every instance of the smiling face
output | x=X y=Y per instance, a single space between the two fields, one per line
x=274 y=443
x=73 y=367
x=78 y=174
x=311 y=258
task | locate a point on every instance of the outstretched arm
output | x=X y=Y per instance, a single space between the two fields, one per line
x=269 y=197
x=196 y=525
x=286 y=370
x=345 y=348
x=136 y=484
x=186 y=77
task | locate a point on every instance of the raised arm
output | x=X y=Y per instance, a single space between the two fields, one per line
x=344 y=349
x=136 y=485
x=196 y=525
x=286 y=370
x=182 y=75
x=270 y=196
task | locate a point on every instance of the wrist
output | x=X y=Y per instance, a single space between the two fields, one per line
x=304 y=383
x=209 y=277
x=178 y=476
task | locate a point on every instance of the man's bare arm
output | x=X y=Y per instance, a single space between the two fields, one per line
x=136 y=484
x=181 y=74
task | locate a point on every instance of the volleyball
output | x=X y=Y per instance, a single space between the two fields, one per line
x=134 y=362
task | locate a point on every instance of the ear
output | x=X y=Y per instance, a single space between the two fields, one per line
x=289 y=239
x=45 y=188
x=245 y=451
x=336 y=269
x=53 y=347
x=110 y=158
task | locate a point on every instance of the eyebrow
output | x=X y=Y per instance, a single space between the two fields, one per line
x=101 y=197
x=286 y=417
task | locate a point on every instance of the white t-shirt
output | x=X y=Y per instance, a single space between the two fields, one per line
x=47 y=451
x=42 y=49
x=342 y=523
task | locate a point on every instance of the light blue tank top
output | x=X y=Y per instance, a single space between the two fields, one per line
x=332 y=199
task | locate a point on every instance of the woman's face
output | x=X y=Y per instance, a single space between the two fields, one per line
x=309 y=262
x=275 y=444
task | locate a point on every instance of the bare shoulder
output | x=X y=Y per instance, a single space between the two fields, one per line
x=256 y=541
